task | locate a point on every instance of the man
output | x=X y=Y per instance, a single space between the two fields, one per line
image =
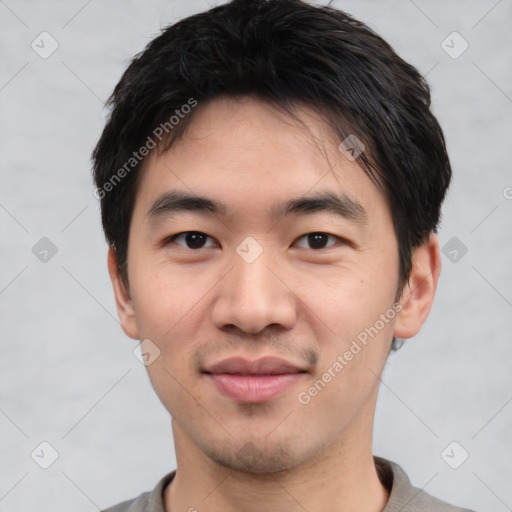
x=271 y=179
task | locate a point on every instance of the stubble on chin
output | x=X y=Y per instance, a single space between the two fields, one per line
x=253 y=459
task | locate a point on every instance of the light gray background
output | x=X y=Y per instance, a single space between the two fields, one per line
x=68 y=375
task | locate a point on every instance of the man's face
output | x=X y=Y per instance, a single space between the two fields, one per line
x=250 y=285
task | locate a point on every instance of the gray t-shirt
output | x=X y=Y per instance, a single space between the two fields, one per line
x=403 y=497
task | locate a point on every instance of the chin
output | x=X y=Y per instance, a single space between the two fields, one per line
x=254 y=458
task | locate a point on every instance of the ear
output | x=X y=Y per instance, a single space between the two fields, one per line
x=419 y=291
x=123 y=301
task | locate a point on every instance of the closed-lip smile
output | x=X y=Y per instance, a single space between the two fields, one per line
x=256 y=381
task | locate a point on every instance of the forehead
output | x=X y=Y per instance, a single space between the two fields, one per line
x=249 y=155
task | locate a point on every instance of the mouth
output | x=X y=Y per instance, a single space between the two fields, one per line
x=256 y=381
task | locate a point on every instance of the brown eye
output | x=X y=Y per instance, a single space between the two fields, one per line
x=191 y=239
x=317 y=240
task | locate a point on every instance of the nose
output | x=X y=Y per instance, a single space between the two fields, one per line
x=254 y=296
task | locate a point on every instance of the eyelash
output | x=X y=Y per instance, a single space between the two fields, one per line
x=173 y=238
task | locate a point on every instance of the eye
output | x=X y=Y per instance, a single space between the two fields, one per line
x=191 y=240
x=317 y=240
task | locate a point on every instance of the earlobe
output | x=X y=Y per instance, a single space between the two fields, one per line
x=419 y=291
x=124 y=304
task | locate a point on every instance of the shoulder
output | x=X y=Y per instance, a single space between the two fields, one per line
x=138 y=504
x=146 y=502
x=405 y=497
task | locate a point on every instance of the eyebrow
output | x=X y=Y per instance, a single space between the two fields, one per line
x=342 y=205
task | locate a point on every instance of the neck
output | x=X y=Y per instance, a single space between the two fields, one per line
x=342 y=477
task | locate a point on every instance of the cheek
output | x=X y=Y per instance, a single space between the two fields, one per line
x=355 y=316
x=170 y=311
x=166 y=299
x=347 y=375
x=346 y=301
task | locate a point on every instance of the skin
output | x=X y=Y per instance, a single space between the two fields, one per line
x=295 y=301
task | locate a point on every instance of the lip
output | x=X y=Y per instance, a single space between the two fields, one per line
x=263 y=366
x=256 y=381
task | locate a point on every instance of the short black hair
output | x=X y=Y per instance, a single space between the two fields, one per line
x=288 y=53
